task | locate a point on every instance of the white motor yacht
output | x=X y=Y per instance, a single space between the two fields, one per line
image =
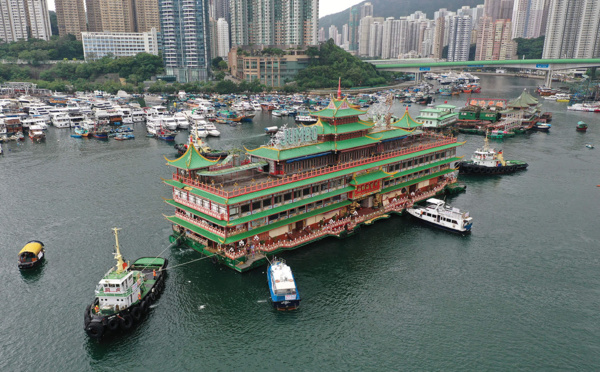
x=211 y=129
x=182 y=120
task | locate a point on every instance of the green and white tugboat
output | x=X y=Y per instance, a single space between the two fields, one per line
x=124 y=294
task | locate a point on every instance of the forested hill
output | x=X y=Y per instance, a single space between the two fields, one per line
x=396 y=9
x=330 y=62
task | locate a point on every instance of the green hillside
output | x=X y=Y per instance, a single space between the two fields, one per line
x=398 y=8
x=331 y=62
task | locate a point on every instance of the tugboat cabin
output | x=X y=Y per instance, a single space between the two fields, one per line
x=116 y=291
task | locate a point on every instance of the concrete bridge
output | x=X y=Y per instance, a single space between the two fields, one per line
x=420 y=66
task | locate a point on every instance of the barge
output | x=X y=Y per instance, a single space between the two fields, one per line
x=308 y=183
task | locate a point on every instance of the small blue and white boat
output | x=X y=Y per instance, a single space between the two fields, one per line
x=282 y=285
x=437 y=213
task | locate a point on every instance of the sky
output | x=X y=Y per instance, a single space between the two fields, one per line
x=326 y=7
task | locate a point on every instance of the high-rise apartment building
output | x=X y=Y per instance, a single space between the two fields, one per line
x=498 y=9
x=274 y=22
x=366 y=10
x=353 y=25
x=122 y=15
x=527 y=18
x=438 y=38
x=459 y=38
x=146 y=15
x=24 y=19
x=13 y=21
x=38 y=19
x=573 y=29
x=222 y=38
x=70 y=16
x=186 y=44
x=495 y=41
x=375 y=38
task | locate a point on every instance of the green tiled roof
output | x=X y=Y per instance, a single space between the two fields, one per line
x=258 y=230
x=191 y=159
x=294 y=152
x=338 y=109
x=523 y=101
x=371 y=176
x=356 y=142
x=406 y=122
x=326 y=128
x=392 y=133
x=233 y=169
x=445 y=106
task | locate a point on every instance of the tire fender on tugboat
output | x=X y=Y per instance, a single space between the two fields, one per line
x=145 y=304
x=95 y=330
x=86 y=316
x=126 y=321
x=113 y=324
x=136 y=313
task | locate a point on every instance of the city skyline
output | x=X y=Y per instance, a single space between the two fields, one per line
x=325 y=8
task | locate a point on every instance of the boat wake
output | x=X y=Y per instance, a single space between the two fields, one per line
x=261 y=301
x=201 y=307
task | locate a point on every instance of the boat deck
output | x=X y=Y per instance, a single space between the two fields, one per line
x=238 y=179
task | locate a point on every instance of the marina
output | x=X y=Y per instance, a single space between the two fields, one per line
x=501 y=298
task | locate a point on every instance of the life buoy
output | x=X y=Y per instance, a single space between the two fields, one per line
x=136 y=313
x=95 y=330
x=126 y=322
x=113 y=324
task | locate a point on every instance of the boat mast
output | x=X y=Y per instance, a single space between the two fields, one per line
x=118 y=257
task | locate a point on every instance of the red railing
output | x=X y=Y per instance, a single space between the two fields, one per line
x=312 y=173
x=200 y=208
x=205 y=226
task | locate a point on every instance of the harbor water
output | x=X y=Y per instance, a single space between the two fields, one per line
x=522 y=292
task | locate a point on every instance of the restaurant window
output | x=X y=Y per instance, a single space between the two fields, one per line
x=266 y=202
x=287 y=197
x=256 y=205
x=306 y=191
x=245 y=208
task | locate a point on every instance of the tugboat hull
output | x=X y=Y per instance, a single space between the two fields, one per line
x=97 y=325
x=475 y=169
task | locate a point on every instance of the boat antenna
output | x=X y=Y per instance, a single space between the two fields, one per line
x=120 y=263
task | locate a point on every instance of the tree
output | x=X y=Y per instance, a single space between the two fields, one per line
x=215 y=62
x=530 y=48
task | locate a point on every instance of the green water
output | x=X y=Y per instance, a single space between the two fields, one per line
x=520 y=293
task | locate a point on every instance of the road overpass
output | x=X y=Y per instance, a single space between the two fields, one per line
x=418 y=66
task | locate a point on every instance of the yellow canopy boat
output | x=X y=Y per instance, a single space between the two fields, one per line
x=31 y=255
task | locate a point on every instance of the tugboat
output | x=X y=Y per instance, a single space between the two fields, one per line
x=441 y=215
x=32 y=255
x=487 y=161
x=581 y=127
x=124 y=294
x=284 y=294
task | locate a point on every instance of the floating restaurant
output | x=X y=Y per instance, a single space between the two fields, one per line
x=309 y=183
